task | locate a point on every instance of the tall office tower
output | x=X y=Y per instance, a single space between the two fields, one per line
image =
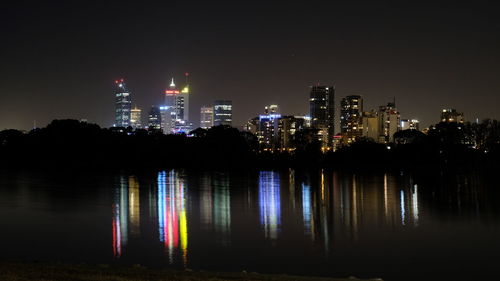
x=287 y=127
x=452 y=116
x=168 y=111
x=206 y=117
x=267 y=132
x=371 y=127
x=351 y=122
x=183 y=102
x=135 y=118
x=409 y=124
x=154 y=118
x=389 y=122
x=322 y=112
x=123 y=104
x=223 y=112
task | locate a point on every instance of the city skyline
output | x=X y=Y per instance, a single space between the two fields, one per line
x=53 y=71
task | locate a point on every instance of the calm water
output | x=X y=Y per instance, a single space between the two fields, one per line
x=394 y=226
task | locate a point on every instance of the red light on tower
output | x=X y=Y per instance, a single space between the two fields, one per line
x=187 y=74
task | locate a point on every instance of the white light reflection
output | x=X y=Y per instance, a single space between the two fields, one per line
x=269 y=201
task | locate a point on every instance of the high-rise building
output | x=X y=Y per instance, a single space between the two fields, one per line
x=182 y=102
x=389 y=122
x=452 y=116
x=154 y=118
x=223 y=112
x=322 y=112
x=351 y=121
x=409 y=124
x=135 y=118
x=371 y=126
x=123 y=104
x=206 y=117
x=252 y=125
x=288 y=126
x=175 y=111
x=267 y=133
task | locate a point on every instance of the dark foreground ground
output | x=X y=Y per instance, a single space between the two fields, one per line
x=60 y=272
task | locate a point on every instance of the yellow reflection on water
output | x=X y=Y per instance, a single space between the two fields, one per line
x=134 y=207
x=172 y=218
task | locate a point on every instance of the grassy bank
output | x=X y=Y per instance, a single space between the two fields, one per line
x=65 y=272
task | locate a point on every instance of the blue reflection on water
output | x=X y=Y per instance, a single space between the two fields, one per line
x=306 y=207
x=269 y=202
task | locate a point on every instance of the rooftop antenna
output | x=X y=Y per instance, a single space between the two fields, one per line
x=187 y=77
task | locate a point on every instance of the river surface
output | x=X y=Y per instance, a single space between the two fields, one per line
x=393 y=226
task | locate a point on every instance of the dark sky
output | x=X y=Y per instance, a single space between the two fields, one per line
x=59 y=59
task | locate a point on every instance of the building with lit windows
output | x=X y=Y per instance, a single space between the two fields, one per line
x=288 y=126
x=389 y=122
x=252 y=125
x=267 y=133
x=410 y=124
x=452 y=116
x=206 y=117
x=123 y=104
x=175 y=110
x=351 y=119
x=322 y=112
x=154 y=118
x=371 y=126
x=135 y=118
x=223 y=112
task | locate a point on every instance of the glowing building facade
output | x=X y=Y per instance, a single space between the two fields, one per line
x=206 y=117
x=288 y=126
x=175 y=110
x=123 y=104
x=389 y=122
x=322 y=112
x=410 y=124
x=452 y=116
x=351 y=122
x=135 y=118
x=154 y=118
x=223 y=112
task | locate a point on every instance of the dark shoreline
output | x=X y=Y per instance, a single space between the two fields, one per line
x=20 y=271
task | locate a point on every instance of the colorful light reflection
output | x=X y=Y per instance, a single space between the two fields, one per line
x=172 y=218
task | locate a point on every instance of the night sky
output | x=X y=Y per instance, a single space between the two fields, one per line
x=60 y=59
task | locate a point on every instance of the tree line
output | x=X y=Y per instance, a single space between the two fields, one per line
x=75 y=144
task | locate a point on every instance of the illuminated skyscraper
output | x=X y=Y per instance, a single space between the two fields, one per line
x=322 y=112
x=123 y=104
x=175 y=111
x=371 y=127
x=287 y=127
x=154 y=118
x=452 y=116
x=135 y=118
x=206 y=117
x=389 y=122
x=267 y=133
x=223 y=112
x=351 y=123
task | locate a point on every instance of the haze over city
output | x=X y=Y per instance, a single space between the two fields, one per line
x=59 y=59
